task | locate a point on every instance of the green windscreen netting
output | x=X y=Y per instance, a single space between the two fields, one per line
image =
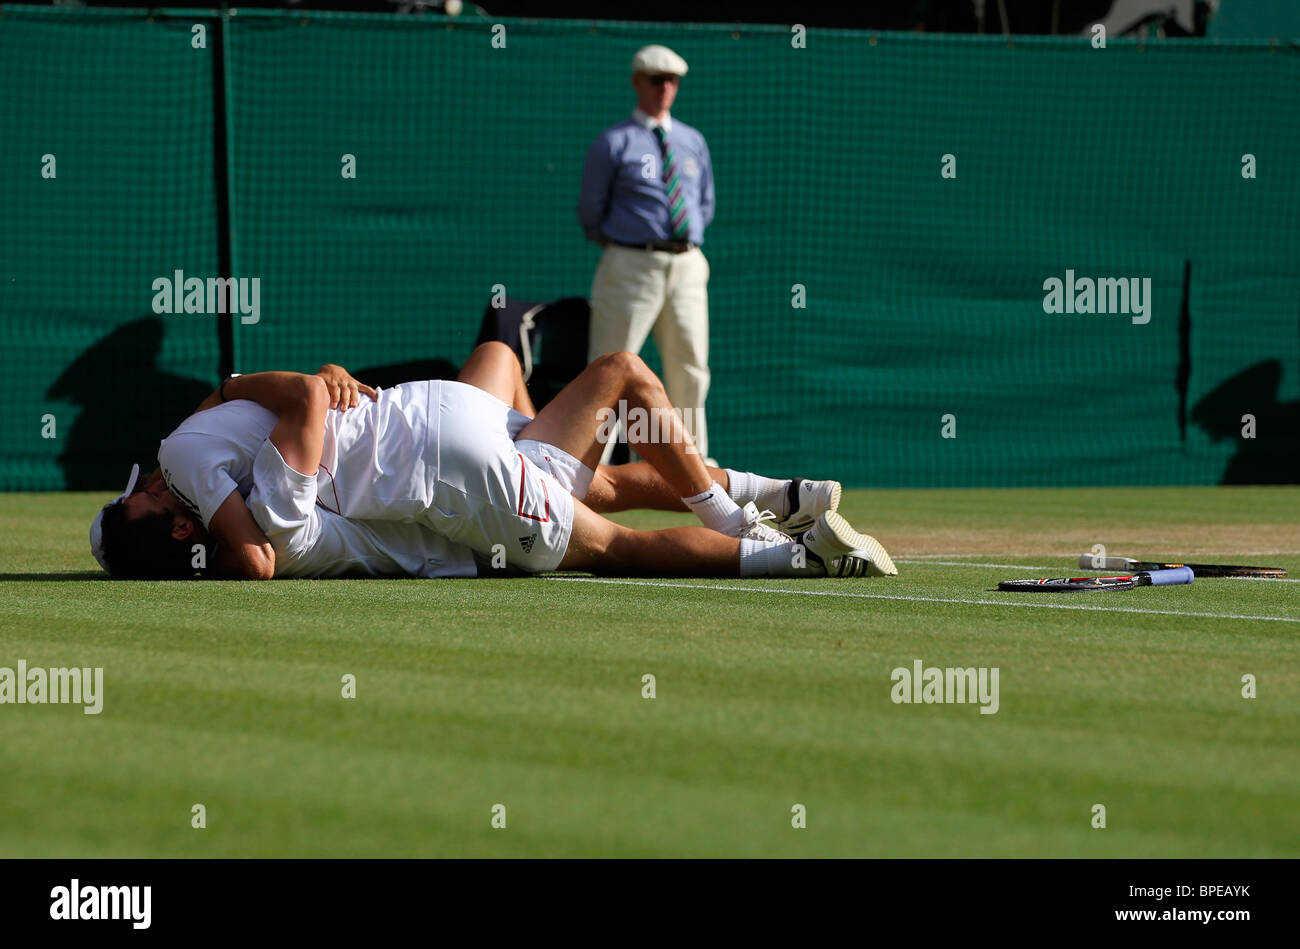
x=922 y=293
x=105 y=184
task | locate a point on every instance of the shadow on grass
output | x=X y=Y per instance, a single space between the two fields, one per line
x=56 y=577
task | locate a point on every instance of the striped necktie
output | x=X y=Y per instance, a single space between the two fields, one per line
x=673 y=183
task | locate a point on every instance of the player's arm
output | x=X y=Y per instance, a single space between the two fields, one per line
x=268 y=389
x=301 y=403
x=274 y=390
x=243 y=551
x=299 y=436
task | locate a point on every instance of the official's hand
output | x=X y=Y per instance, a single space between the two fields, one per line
x=343 y=388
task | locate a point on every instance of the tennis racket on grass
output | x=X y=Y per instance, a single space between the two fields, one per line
x=1089 y=562
x=1147 y=578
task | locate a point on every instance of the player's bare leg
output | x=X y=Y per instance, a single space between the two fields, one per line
x=829 y=548
x=638 y=485
x=494 y=368
x=578 y=421
x=796 y=502
x=575 y=422
x=599 y=545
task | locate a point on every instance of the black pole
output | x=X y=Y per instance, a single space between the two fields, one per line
x=221 y=175
x=1184 y=351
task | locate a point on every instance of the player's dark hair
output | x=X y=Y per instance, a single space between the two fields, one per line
x=144 y=549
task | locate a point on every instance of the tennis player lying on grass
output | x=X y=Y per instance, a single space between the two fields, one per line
x=441 y=478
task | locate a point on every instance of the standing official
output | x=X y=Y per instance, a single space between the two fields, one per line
x=647 y=196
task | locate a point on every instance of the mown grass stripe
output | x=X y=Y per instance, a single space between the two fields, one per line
x=929 y=599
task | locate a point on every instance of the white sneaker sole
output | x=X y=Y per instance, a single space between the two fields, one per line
x=863 y=545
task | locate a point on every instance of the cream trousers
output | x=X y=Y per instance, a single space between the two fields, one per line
x=636 y=292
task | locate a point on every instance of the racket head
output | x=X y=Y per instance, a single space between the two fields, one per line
x=1266 y=573
x=1226 y=570
x=1072 y=584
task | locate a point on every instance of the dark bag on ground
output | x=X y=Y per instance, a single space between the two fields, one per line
x=550 y=340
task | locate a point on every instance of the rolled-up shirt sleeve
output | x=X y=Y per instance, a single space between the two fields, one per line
x=283 y=502
x=197 y=471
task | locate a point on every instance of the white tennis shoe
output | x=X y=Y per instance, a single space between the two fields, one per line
x=806 y=500
x=843 y=551
x=754 y=526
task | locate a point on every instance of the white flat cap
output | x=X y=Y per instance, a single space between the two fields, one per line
x=658 y=59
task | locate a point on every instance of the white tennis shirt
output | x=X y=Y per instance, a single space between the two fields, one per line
x=380 y=459
x=227 y=448
x=311 y=541
x=211 y=454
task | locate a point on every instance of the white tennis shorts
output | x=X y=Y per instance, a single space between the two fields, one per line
x=511 y=502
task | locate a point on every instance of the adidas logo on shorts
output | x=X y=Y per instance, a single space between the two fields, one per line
x=527 y=543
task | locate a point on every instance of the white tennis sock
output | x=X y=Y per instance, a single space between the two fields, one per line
x=762 y=558
x=715 y=509
x=770 y=494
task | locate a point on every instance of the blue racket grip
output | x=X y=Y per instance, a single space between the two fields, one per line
x=1160 y=578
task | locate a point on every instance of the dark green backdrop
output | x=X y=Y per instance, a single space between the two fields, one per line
x=924 y=294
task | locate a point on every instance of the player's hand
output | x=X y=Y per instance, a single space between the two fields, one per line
x=343 y=388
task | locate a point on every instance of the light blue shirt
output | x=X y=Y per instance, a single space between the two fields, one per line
x=623 y=195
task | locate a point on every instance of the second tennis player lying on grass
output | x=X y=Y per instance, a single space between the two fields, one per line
x=447 y=479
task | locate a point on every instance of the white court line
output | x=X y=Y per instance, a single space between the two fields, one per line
x=931 y=558
x=1194 y=553
x=919 y=557
x=970 y=563
x=1030 y=566
x=924 y=599
x=1248 y=553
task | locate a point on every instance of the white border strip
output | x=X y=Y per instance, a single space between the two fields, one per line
x=923 y=599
